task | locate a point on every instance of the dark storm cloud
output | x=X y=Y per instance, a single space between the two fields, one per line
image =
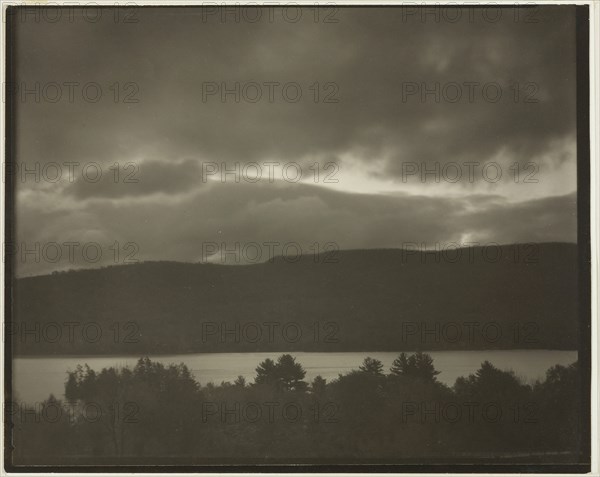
x=369 y=54
x=146 y=105
x=226 y=214
x=134 y=179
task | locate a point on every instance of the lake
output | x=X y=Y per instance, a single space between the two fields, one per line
x=34 y=378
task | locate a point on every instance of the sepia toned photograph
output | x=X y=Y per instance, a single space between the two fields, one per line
x=297 y=237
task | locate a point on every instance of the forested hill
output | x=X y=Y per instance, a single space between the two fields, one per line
x=515 y=296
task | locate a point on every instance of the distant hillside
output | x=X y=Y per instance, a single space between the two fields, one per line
x=367 y=300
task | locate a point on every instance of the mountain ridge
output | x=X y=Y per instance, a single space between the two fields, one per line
x=353 y=300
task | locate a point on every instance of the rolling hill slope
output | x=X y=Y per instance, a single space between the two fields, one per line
x=364 y=300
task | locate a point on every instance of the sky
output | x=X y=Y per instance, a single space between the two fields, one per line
x=371 y=128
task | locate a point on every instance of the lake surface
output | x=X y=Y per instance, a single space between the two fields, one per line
x=35 y=378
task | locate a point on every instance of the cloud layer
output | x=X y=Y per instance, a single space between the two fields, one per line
x=362 y=107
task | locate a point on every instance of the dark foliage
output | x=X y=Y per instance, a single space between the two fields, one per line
x=162 y=306
x=154 y=411
x=286 y=374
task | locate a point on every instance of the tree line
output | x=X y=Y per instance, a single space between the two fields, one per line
x=154 y=412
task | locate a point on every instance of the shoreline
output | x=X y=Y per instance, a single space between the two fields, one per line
x=139 y=355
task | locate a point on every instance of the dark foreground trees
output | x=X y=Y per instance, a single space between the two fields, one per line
x=153 y=411
x=285 y=374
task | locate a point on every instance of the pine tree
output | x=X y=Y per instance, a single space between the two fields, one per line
x=266 y=372
x=372 y=366
x=290 y=373
x=424 y=367
x=285 y=374
x=400 y=365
